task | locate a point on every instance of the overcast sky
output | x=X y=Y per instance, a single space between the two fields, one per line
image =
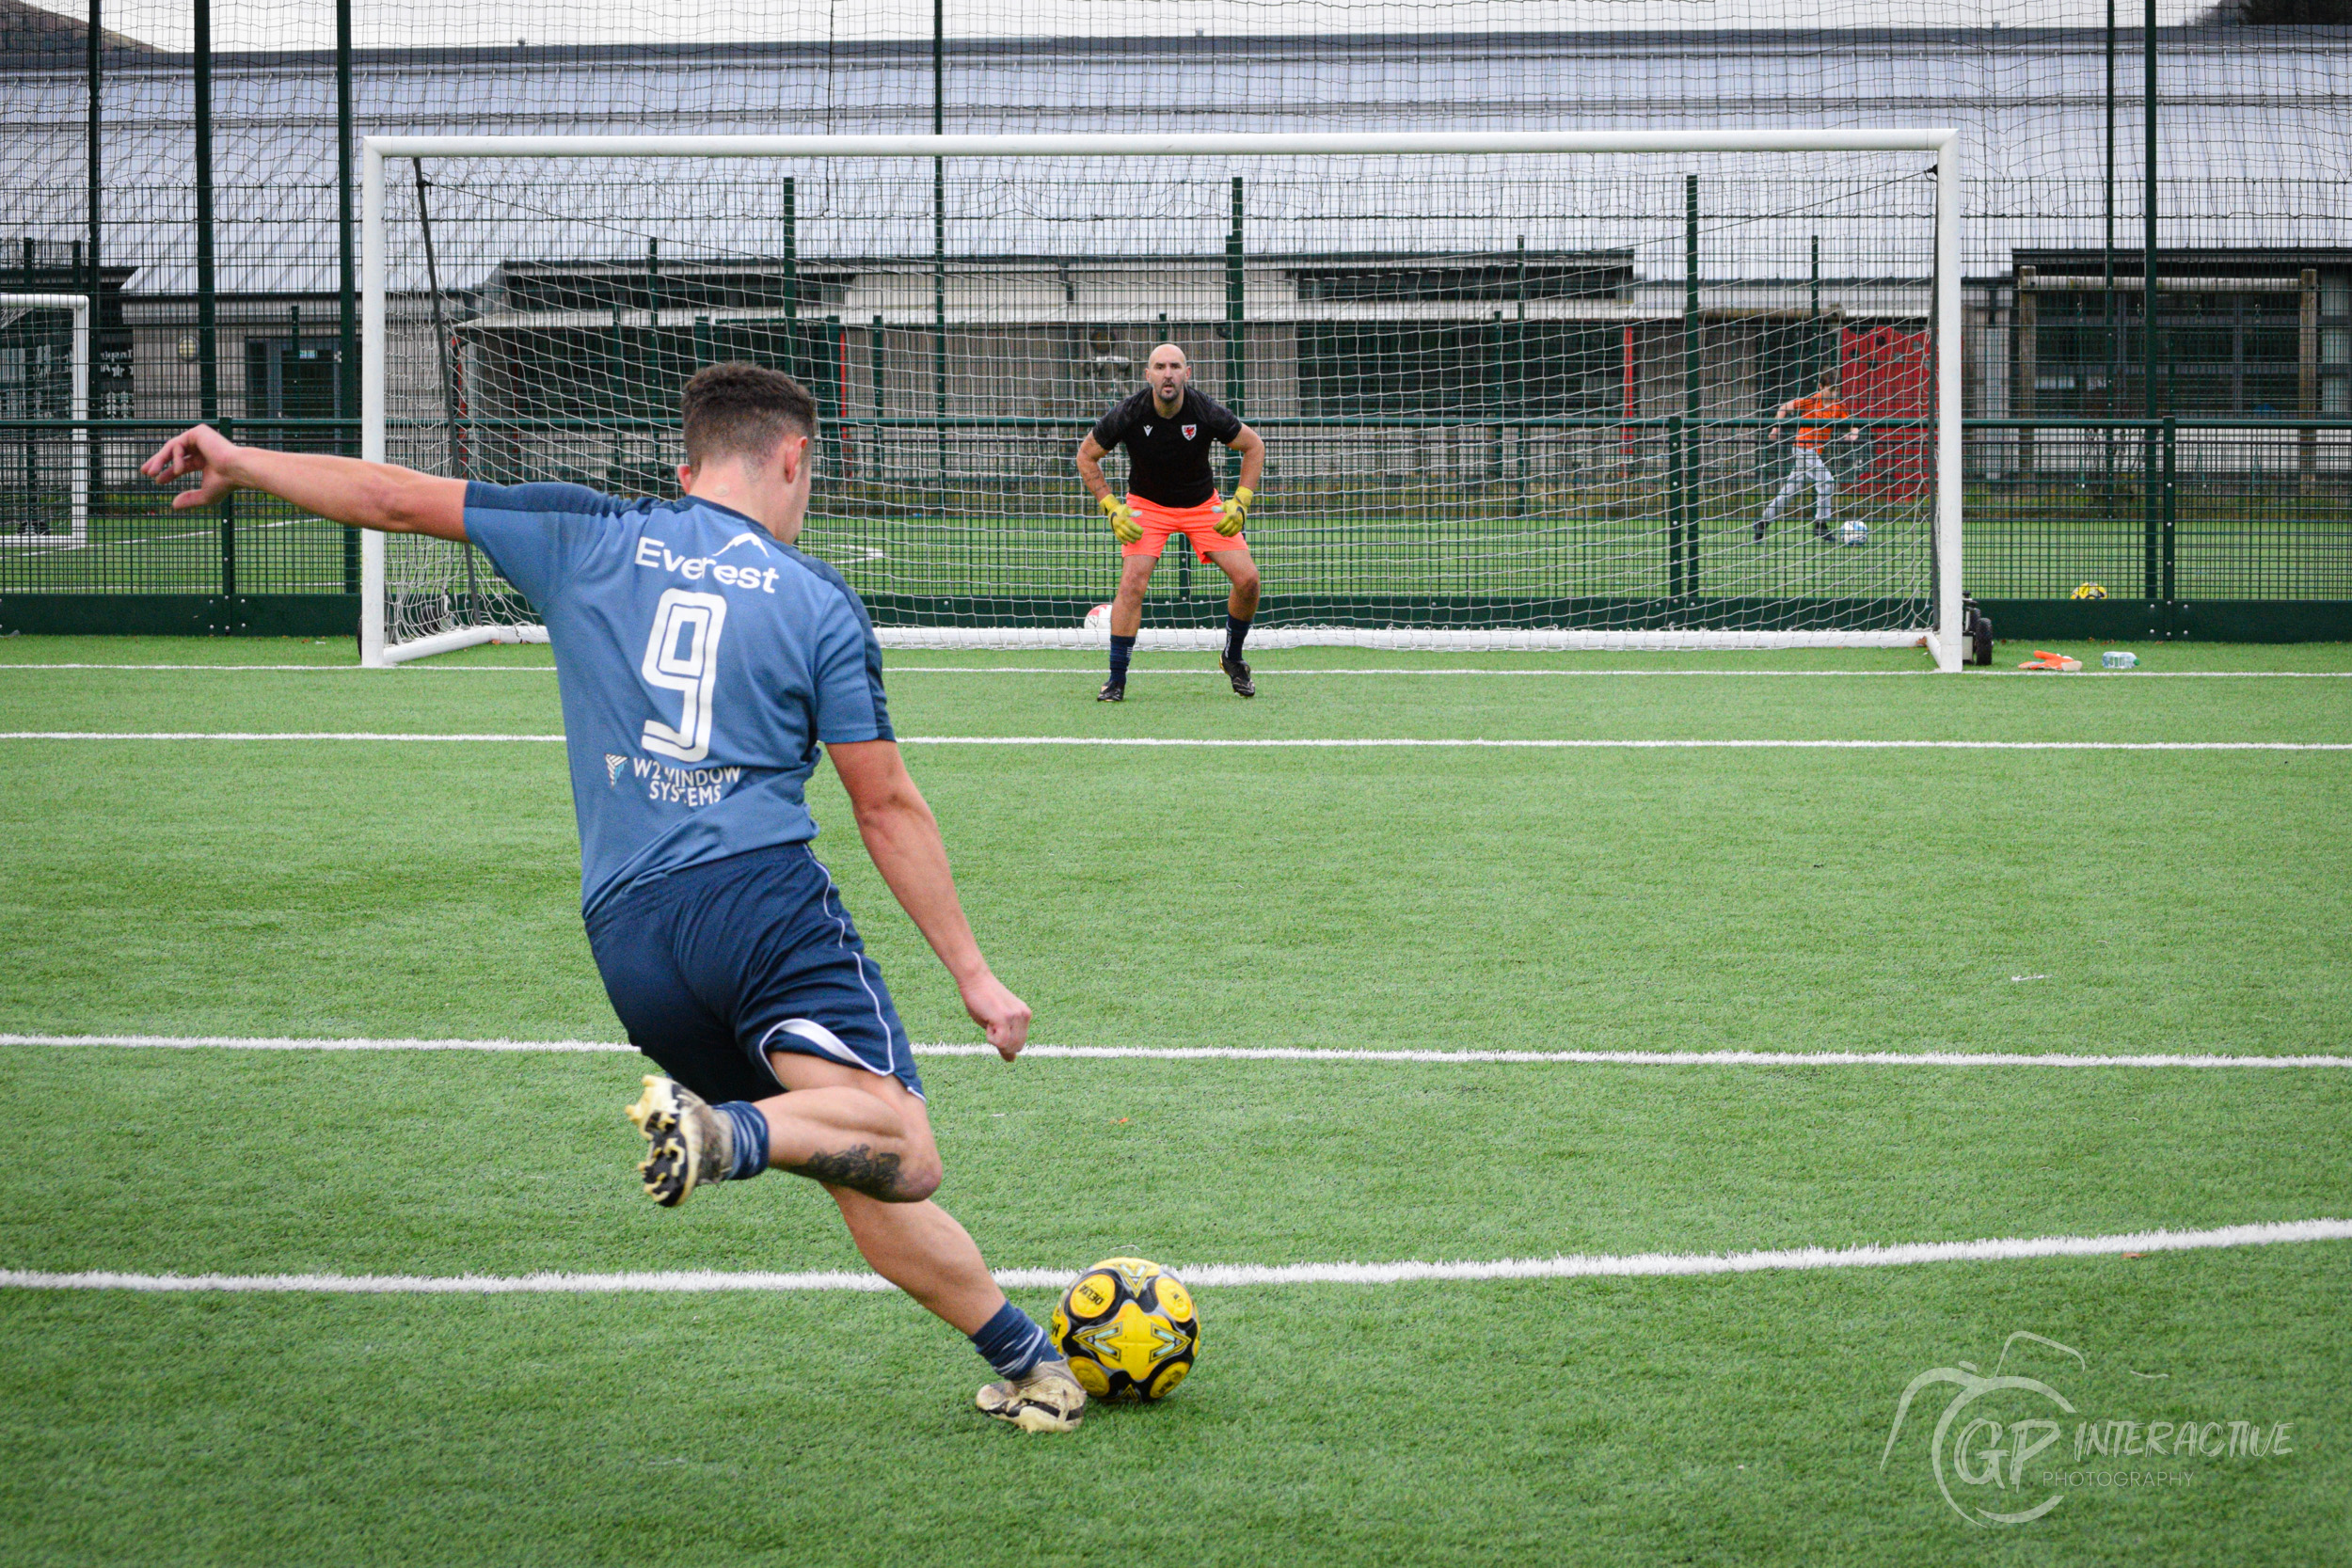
x=247 y=25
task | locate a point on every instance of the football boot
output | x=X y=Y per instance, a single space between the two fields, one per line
x=1113 y=691
x=1237 y=671
x=692 y=1145
x=1047 y=1399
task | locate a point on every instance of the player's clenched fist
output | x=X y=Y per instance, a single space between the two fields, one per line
x=1232 y=513
x=1124 y=525
x=1003 y=1015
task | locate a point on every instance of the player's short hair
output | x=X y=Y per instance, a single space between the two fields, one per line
x=1829 y=378
x=739 y=410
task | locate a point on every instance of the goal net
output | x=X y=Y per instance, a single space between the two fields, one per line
x=44 y=390
x=1527 y=392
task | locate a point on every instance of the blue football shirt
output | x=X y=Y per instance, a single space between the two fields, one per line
x=700 y=663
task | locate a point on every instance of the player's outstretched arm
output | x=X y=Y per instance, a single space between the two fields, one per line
x=341 y=489
x=903 y=835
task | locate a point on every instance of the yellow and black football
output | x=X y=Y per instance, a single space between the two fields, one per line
x=1129 y=1329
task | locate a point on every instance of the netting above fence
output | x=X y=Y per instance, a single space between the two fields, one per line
x=2253 y=181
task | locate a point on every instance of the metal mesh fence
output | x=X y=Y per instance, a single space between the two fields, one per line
x=184 y=164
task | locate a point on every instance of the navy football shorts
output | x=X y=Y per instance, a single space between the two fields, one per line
x=713 y=966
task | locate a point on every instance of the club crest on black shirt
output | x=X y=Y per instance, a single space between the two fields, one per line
x=1166 y=462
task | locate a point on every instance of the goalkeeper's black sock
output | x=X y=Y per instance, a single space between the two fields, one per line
x=1123 y=648
x=1234 y=632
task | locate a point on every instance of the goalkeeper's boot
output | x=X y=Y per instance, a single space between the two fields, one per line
x=1237 y=671
x=1047 y=1399
x=1113 y=691
x=692 y=1144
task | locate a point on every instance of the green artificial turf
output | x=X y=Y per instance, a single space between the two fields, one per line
x=2095 y=903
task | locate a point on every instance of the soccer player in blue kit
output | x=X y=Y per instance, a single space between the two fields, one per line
x=703 y=661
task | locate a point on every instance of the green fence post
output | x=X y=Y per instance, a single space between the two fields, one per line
x=1236 y=351
x=1677 y=505
x=2171 y=490
x=347 y=288
x=1815 y=358
x=1518 y=397
x=939 y=256
x=939 y=331
x=836 y=376
x=2147 y=247
x=874 y=359
x=1490 y=400
x=617 y=393
x=207 y=293
x=791 y=277
x=96 y=466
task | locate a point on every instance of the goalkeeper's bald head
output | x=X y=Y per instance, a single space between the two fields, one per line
x=1168 y=373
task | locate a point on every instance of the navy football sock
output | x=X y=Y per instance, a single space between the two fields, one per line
x=1123 y=648
x=750 y=1140
x=1011 y=1342
x=1235 y=632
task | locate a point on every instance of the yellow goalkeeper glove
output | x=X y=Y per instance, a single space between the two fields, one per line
x=1124 y=525
x=1232 y=513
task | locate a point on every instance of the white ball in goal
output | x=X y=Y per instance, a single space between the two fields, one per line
x=1098 y=619
x=1854 y=533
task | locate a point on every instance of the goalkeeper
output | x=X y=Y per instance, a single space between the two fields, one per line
x=1167 y=428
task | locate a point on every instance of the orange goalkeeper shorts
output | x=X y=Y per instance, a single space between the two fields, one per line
x=1195 y=523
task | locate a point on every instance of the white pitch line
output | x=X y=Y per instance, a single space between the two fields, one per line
x=1283 y=673
x=422 y=667
x=1226 y=1275
x=269 y=734
x=1265 y=1054
x=1372 y=743
x=1476 y=742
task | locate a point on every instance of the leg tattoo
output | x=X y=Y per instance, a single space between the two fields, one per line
x=858 y=1168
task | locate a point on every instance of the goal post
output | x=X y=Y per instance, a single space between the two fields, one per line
x=1518 y=389
x=45 y=393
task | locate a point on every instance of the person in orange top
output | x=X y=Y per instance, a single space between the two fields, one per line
x=1829 y=416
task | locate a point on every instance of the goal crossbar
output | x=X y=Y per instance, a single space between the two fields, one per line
x=1942 y=638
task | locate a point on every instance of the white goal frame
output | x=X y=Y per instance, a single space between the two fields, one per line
x=78 y=486
x=1943 y=640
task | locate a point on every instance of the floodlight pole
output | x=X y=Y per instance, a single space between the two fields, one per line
x=96 y=288
x=2151 y=523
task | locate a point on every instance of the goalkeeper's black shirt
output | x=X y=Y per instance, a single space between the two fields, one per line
x=1168 y=457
